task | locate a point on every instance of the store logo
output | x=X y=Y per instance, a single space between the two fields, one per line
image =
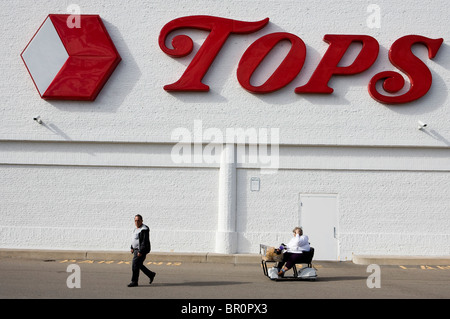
x=400 y=55
x=71 y=58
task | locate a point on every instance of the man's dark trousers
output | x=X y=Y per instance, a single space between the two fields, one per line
x=138 y=264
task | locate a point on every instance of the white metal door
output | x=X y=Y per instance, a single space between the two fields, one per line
x=318 y=218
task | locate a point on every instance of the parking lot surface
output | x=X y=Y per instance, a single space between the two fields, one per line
x=95 y=279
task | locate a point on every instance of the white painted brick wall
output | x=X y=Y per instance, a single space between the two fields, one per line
x=383 y=213
x=94 y=208
x=77 y=181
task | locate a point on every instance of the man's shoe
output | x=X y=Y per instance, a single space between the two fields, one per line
x=152 y=277
x=133 y=284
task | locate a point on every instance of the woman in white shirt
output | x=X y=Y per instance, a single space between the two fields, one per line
x=293 y=252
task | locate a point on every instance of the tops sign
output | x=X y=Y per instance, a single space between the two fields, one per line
x=400 y=55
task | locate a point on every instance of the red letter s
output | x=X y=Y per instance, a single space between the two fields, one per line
x=419 y=75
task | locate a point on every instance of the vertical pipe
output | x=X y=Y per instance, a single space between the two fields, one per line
x=226 y=236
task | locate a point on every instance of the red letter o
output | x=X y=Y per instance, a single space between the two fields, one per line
x=286 y=71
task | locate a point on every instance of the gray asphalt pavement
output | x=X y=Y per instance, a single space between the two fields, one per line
x=40 y=279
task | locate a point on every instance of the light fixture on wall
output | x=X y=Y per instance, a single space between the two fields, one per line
x=422 y=125
x=38 y=119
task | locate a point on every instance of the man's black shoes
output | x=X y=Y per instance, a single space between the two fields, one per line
x=152 y=277
x=135 y=284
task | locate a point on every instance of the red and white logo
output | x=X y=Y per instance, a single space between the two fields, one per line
x=71 y=63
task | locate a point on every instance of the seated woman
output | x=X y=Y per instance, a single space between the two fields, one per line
x=294 y=251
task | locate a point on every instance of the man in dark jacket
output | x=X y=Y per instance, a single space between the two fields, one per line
x=140 y=247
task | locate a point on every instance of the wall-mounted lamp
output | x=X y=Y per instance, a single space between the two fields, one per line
x=38 y=119
x=422 y=125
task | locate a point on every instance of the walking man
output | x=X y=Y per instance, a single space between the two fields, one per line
x=140 y=247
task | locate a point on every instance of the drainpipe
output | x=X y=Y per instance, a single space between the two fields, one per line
x=226 y=236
